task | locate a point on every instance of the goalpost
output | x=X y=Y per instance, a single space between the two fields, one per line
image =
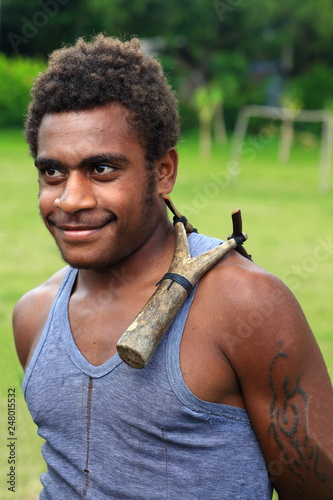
x=288 y=117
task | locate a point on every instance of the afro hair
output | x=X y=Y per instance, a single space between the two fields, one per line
x=102 y=71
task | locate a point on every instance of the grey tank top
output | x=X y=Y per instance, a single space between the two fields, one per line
x=114 y=432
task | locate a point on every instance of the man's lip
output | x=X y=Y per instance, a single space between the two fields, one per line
x=78 y=233
x=78 y=228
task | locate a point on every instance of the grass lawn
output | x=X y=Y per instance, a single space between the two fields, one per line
x=288 y=221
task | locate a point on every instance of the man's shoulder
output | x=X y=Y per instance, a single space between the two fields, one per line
x=46 y=291
x=259 y=288
x=253 y=302
x=250 y=313
x=31 y=312
x=237 y=278
x=248 y=279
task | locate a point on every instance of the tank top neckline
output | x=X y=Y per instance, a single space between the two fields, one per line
x=74 y=353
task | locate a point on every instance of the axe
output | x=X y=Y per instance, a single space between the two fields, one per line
x=139 y=342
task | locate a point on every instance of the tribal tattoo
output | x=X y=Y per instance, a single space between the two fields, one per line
x=288 y=426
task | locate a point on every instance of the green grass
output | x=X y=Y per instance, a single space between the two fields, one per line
x=283 y=213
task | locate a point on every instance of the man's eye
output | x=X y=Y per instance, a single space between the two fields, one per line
x=50 y=173
x=102 y=169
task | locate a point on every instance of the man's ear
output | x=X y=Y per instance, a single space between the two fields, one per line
x=167 y=171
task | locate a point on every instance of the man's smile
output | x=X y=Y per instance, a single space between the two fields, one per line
x=71 y=231
x=78 y=233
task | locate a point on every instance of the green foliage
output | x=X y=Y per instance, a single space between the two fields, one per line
x=35 y=28
x=206 y=99
x=230 y=71
x=292 y=97
x=315 y=86
x=17 y=75
x=197 y=41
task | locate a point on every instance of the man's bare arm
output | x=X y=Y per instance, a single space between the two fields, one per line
x=30 y=315
x=304 y=456
x=286 y=389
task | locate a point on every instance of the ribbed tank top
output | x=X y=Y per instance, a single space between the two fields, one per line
x=113 y=432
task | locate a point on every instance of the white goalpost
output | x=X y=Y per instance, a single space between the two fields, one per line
x=287 y=117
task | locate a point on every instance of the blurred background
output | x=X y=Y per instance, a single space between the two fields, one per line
x=254 y=81
x=255 y=52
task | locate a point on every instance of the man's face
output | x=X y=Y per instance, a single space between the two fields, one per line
x=97 y=198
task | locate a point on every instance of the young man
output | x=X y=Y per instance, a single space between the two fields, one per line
x=215 y=414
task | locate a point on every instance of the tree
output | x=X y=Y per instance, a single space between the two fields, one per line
x=207 y=99
x=36 y=28
x=197 y=41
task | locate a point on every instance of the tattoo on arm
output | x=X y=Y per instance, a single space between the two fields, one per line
x=288 y=425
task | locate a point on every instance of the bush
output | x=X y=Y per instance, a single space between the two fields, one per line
x=316 y=86
x=17 y=75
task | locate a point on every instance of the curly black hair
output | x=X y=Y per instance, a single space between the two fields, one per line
x=101 y=71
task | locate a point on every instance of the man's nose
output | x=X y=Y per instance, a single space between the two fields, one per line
x=77 y=194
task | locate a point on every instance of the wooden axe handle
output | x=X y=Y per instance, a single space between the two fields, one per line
x=139 y=341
